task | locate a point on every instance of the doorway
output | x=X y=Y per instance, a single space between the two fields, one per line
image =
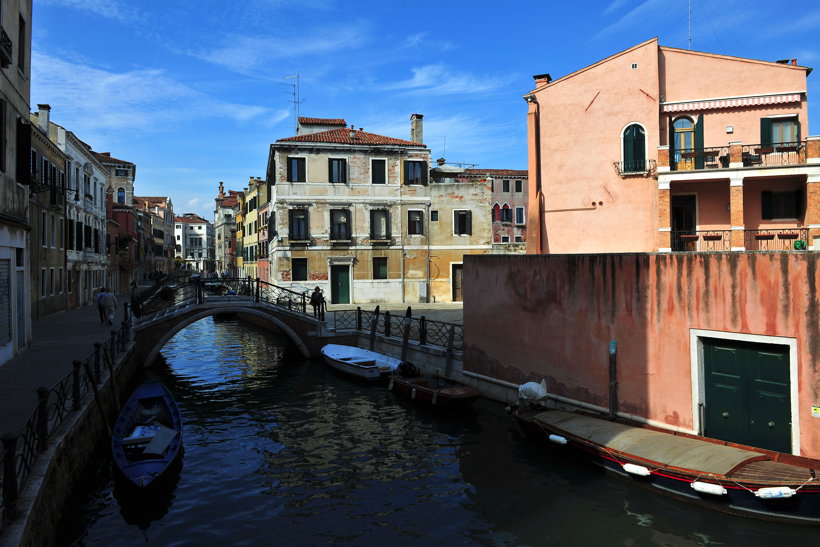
x=747 y=393
x=684 y=222
x=340 y=284
x=458 y=280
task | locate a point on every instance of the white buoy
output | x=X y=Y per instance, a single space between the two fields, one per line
x=708 y=488
x=775 y=492
x=413 y=394
x=633 y=469
x=558 y=439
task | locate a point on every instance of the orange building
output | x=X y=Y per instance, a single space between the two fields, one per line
x=663 y=149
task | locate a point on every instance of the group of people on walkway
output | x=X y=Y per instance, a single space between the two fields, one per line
x=106 y=305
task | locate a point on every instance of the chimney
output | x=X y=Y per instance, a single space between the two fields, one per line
x=221 y=190
x=541 y=79
x=43 y=115
x=416 y=133
x=440 y=162
x=352 y=132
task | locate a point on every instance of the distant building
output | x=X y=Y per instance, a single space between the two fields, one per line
x=225 y=231
x=162 y=233
x=194 y=237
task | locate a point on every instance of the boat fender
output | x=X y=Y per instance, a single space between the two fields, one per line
x=435 y=398
x=708 y=488
x=558 y=439
x=390 y=385
x=775 y=492
x=633 y=469
x=413 y=394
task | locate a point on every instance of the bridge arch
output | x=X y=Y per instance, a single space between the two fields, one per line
x=177 y=324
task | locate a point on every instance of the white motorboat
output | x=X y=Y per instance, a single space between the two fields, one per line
x=359 y=362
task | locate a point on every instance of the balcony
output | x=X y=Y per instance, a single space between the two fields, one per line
x=691 y=159
x=737 y=155
x=701 y=240
x=759 y=155
x=5 y=49
x=635 y=168
x=780 y=239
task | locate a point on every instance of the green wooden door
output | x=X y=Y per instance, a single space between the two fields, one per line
x=747 y=397
x=340 y=284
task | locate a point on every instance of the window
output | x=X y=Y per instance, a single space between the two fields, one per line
x=519 y=186
x=505 y=185
x=506 y=214
x=415 y=172
x=519 y=215
x=340 y=224
x=495 y=213
x=505 y=239
x=379 y=267
x=296 y=169
x=519 y=239
x=337 y=170
x=634 y=149
x=462 y=223
x=121 y=195
x=415 y=223
x=433 y=216
x=298 y=267
x=121 y=172
x=779 y=130
x=378 y=171
x=21 y=41
x=379 y=224
x=42 y=282
x=53 y=229
x=43 y=228
x=782 y=205
x=3 y=136
x=298 y=225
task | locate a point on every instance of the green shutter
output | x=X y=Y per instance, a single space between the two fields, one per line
x=424 y=172
x=766 y=205
x=699 y=163
x=797 y=128
x=469 y=222
x=629 y=150
x=765 y=131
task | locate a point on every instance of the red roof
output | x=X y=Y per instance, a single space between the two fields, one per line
x=191 y=219
x=154 y=199
x=496 y=172
x=105 y=157
x=342 y=136
x=322 y=121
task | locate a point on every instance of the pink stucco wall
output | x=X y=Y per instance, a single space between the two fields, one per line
x=562 y=311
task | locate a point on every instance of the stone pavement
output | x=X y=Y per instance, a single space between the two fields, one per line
x=57 y=340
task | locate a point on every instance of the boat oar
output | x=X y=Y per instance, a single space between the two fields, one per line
x=109 y=361
x=89 y=377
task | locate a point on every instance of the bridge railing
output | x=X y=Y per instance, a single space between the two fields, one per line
x=422 y=330
x=280 y=296
x=21 y=448
x=169 y=296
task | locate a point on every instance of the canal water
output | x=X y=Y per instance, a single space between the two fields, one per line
x=284 y=451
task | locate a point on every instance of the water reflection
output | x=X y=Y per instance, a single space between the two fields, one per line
x=284 y=450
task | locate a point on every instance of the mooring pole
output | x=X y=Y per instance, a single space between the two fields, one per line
x=406 y=334
x=374 y=322
x=613 y=379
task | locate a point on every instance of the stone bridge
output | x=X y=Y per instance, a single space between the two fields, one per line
x=307 y=334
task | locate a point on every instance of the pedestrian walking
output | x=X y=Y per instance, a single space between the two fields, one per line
x=136 y=302
x=109 y=302
x=317 y=300
x=100 y=306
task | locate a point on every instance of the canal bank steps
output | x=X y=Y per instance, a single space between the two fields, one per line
x=57 y=341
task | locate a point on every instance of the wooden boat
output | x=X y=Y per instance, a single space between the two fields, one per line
x=147 y=436
x=723 y=476
x=432 y=390
x=359 y=362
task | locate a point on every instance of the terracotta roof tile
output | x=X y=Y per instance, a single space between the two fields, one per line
x=342 y=136
x=192 y=219
x=322 y=121
x=496 y=172
x=105 y=157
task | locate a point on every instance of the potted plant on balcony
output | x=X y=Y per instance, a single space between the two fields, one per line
x=799 y=245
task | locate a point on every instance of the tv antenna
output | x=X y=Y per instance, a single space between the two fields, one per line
x=690 y=25
x=296 y=100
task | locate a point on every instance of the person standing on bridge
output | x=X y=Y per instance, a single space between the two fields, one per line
x=317 y=300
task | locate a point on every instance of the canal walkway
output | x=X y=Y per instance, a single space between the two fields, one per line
x=57 y=340
x=444 y=312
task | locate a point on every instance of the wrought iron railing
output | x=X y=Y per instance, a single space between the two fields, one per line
x=688 y=159
x=762 y=155
x=781 y=239
x=635 y=167
x=21 y=448
x=5 y=48
x=701 y=240
x=424 y=331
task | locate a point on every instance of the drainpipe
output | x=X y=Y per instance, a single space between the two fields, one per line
x=535 y=215
x=427 y=291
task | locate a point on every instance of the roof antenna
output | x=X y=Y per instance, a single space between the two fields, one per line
x=690 y=25
x=296 y=101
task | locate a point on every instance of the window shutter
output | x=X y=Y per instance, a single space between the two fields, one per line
x=372 y=224
x=424 y=173
x=290 y=169
x=629 y=149
x=699 y=163
x=671 y=137
x=766 y=205
x=797 y=128
x=765 y=131
x=330 y=170
x=387 y=223
x=23 y=152
x=798 y=204
x=468 y=222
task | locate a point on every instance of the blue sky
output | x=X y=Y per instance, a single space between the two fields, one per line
x=194 y=91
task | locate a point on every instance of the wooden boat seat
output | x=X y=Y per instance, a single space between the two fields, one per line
x=663 y=449
x=160 y=442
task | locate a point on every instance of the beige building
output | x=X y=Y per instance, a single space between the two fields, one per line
x=356 y=214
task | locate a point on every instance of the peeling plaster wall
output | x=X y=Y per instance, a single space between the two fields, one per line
x=553 y=316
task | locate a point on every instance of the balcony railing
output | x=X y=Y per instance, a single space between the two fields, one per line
x=701 y=240
x=635 y=167
x=779 y=239
x=762 y=155
x=5 y=48
x=690 y=159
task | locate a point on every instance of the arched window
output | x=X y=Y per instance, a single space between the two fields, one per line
x=683 y=133
x=121 y=195
x=506 y=213
x=634 y=149
x=496 y=213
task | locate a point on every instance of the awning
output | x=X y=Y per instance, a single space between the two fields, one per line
x=730 y=102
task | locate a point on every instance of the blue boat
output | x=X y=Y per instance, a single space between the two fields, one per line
x=147 y=437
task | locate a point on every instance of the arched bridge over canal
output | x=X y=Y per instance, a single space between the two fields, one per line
x=175 y=307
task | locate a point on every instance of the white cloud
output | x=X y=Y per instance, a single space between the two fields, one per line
x=110 y=9
x=440 y=80
x=96 y=100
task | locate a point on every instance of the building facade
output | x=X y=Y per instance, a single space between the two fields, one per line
x=713 y=163
x=509 y=188
x=15 y=153
x=195 y=239
x=225 y=232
